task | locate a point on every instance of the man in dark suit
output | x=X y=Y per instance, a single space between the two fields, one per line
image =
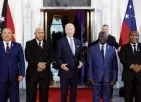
x=110 y=40
x=69 y=59
x=102 y=70
x=12 y=67
x=38 y=54
x=130 y=57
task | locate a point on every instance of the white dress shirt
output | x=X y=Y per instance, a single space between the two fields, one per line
x=73 y=42
x=41 y=42
x=133 y=46
x=104 y=47
x=5 y=45
x=133 y=49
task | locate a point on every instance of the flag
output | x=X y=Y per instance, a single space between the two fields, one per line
x=6 y=20
x=129 y=23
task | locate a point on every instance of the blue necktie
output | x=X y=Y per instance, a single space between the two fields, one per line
x=72 y=46
x=102 y=51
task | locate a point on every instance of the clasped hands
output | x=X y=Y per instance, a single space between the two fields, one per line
x=41 y=66
x=136 y=68
x=65 y=68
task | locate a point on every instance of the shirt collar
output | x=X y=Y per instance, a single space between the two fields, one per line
x=39 y=41
x=134 y=44
x=69 y=38
x=102 y=45
x=7 y=42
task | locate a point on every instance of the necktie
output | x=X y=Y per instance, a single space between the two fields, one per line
x=7 y=49
x=102 y=51
x=40 y=45
x=72 y=46
x=134 y=53
x=135 y=49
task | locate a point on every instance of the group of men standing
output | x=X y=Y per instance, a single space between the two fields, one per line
x=102 y=66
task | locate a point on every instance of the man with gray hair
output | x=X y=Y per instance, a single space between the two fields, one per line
x=38 y=54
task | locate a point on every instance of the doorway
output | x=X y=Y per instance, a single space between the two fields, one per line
x=55 y=20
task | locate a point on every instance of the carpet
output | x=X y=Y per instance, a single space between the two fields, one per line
x=83 y=95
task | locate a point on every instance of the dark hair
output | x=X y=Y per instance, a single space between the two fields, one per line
x=133 y=31
x=105 y=25
x=102 y=32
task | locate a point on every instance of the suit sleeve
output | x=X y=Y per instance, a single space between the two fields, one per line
x=115 y=44
x=90 y=61
x=123 y=58
x=59 y=51
x=28 y=54
x=115 y=66
x=21 y=62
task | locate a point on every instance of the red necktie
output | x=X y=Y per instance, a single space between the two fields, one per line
x=7 y=49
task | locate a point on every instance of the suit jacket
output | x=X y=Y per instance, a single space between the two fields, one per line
x=111 y=41
x=13 y=65
x=127 y=59
x=32 y=55
x=102 y=69
x=64 y=56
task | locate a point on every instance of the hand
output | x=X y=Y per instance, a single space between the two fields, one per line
x=119 y=49
x=80 y=64
x=42 y=65
x=63 y=66
x=136 y=68
x=92 y=82
x=113 y=82
x=39 y=69
x=20 y=78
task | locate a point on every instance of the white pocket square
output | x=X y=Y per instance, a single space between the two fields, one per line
x=77 y=46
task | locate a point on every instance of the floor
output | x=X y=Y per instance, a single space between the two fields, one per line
x=116 y=97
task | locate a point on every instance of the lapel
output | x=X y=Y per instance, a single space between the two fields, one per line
x=67 y=42
x=2 y=48
x=139 y=46
x=75 y=44
x=138 y=50
x=44 y=43
x=35 y=44
x=98 y=48
x=131 y=49
x=12 y=47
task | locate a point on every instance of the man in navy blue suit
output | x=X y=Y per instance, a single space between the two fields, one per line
x=69 y=58
x=102 y=68
x=12 y=67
